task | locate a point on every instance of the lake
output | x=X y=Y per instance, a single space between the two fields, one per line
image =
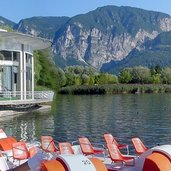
x=147 y=116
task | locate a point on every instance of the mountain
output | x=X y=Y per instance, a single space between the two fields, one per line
x=5 y=23
x=152 y=53
x=106 y=34
x=44 y=27
x=108 y=38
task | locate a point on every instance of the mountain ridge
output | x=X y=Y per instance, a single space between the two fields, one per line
x=108 y=33
x=101 y=38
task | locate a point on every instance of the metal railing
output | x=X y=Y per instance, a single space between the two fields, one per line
x=29 y=95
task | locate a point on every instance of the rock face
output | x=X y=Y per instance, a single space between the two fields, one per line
x=108 y=33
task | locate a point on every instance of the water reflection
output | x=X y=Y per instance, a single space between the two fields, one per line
x=125 y=116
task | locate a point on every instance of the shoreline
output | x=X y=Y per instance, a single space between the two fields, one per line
x=15 y=112
x=116 y=89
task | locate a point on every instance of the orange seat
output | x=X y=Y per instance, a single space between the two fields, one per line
x=157 y=162
x=52 y=165
x=110 y=139
x=6 y=143
x=65 y=148
x=87 y=147
x=98 y=164
x=116 y=155
x=48 y=144
x=20 y=151
x=139 y=146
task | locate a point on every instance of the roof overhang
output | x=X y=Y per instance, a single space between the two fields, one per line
x=35 y=42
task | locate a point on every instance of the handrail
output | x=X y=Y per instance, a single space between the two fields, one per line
x=16 y=95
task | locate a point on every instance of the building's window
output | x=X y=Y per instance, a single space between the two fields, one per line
x=7 y=55
x=1 y=56
x=16 y=56
x=7 y=78
x=28 y=58
x=15 y=78
x=28 y=79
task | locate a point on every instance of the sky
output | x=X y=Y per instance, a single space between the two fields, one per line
x=15 y=10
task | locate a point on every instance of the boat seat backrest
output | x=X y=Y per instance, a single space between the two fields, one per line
x=6 y=143
x=108 y=138
x=48 y=144
x=138 y=145
x=65 y=148
x=86 y=146
x=20 y=151
x=114 y=152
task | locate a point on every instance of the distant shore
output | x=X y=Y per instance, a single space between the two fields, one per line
x=116 y=89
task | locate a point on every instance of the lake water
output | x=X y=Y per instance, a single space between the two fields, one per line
x=147 y=116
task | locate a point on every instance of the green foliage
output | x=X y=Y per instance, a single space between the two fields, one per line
x=166 y=75
x=116 y=89
x=156 y=79
x=80 y=78
x=37 y=66
x=125 y=76
x=8 y=28
x=79 y=75
x=119 y=20
x=85 y=79
x=46 y=73
x=105 y=78
x=141 y=75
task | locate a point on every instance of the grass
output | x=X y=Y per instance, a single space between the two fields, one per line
x=116 y=89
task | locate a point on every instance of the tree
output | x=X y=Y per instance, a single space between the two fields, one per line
x=158 y=69
x=77 y=80
x=92 y=80
x=85 y=79
x=70 y=78
x=166 y=75
x=125 y=76
x=46 y=73
x=37 y=66
x=156 y=79
x=141 y=75
x=59 y=77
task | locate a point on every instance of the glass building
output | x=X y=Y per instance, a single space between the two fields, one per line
x=17 y=64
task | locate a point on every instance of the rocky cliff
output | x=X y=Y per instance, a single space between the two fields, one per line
x=108 y=34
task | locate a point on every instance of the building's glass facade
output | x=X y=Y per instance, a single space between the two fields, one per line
x=17 y=64
x=16 y=73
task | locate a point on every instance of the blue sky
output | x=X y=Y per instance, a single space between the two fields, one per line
x=16 y=10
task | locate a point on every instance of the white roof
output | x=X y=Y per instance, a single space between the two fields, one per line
x=35 y=42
